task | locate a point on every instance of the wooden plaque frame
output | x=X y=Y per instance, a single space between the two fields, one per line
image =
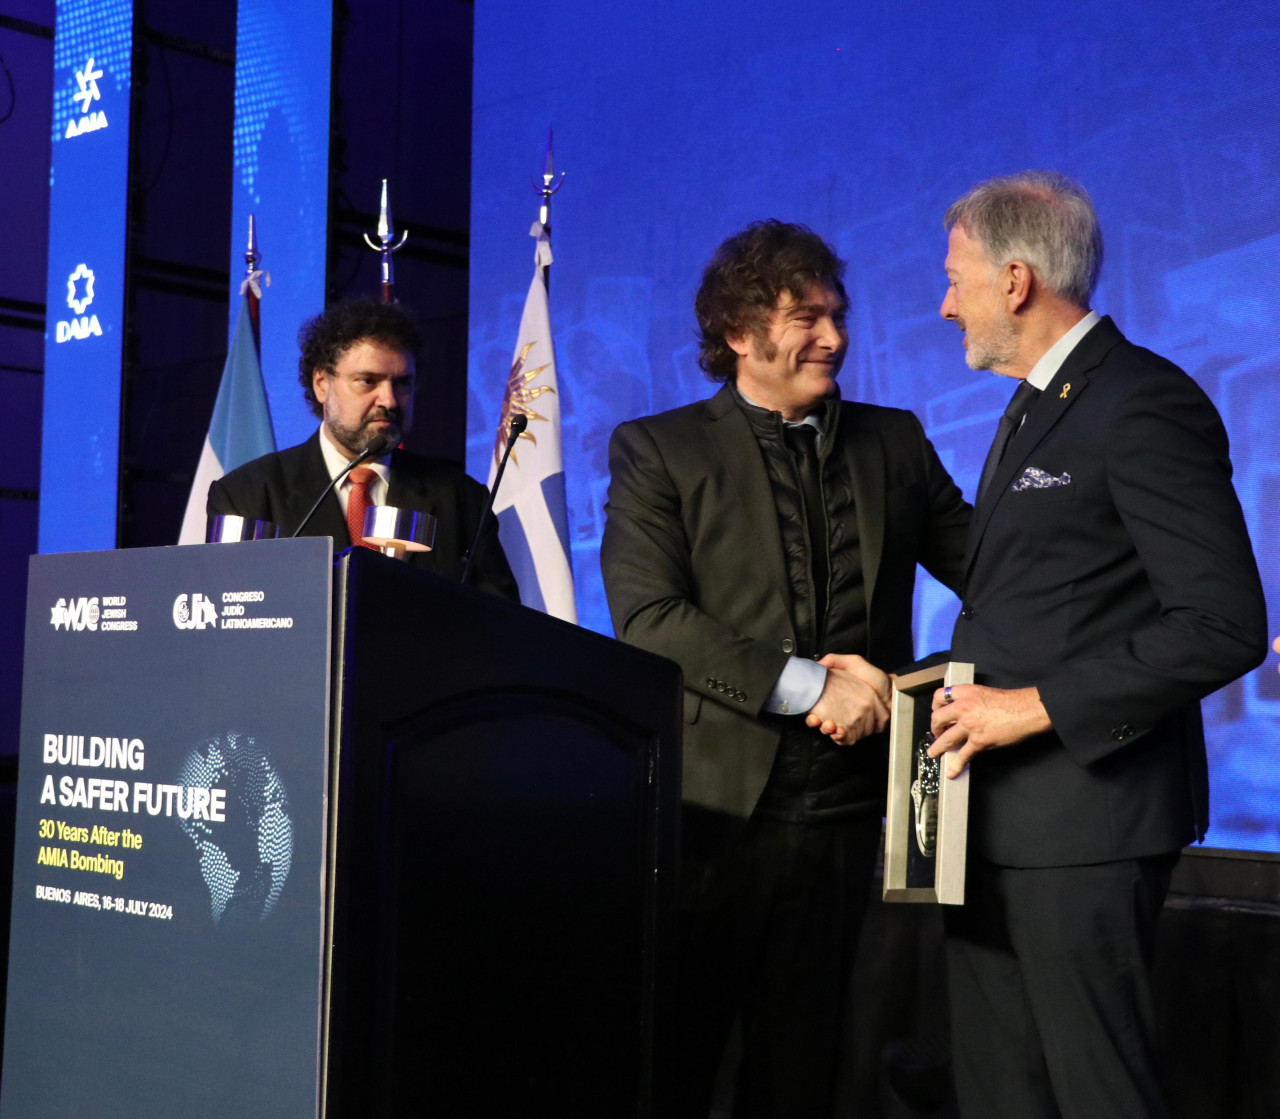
x=906 y=876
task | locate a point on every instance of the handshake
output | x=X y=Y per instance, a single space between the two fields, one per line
x=854 y=701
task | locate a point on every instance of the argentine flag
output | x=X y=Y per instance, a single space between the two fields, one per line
x=533 y=519
x=241 y=426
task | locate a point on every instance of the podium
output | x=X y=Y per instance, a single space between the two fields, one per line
x=298 y=836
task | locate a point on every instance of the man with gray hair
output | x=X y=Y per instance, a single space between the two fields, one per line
x=1110 y=585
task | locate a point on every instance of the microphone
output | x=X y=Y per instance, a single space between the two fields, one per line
x=375 y=448
x=518 y=423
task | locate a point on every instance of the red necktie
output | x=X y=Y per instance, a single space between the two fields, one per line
x=358 y=502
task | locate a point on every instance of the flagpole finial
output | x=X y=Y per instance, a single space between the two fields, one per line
x=254 y=279
x=251 y=255
x=549 y=182
x=387 y=244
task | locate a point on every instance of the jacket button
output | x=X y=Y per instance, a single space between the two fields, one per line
x=1122 y=732
x=788 y=646
x=721 y=686
x=711 y=681
x=966 y=612
x=741 y=697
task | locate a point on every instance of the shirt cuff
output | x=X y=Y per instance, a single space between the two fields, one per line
x=798 y=688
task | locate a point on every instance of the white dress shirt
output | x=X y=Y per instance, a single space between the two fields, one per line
x=336 y=462
x=1051 y=360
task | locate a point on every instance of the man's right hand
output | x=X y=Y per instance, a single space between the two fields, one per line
x=854 y=701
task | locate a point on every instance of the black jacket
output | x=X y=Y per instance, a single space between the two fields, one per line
x=282 y=486
x=694 y=566
x=1110 y=567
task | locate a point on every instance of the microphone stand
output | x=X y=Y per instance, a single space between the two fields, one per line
x=518 y=424
x=375 y=448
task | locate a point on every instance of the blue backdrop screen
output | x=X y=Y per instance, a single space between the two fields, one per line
x=89 y=184
x=678 y=124
x=281 y=153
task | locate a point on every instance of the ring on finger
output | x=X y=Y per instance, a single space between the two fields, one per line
x=946 y=694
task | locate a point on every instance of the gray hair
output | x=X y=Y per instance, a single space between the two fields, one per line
x=1039 y=217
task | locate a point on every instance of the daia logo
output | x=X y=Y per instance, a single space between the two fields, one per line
x=196 y=613
x=86 y=95
x=81 y=325
x=77 y=614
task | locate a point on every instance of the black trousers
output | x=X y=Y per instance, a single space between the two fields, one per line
x=770 y=916
x=1051 y=1007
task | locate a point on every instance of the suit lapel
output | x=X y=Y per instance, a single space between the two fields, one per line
x=308 y=480
x=409 y=488
x=741 y=461
x=864 y=452
x=1067 y=386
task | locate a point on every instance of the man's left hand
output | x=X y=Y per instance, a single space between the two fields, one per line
x=980 y=718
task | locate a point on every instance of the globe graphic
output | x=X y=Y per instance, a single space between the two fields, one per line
x=245 y=859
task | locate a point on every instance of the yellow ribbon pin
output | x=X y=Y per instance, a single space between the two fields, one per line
x=1065 y=389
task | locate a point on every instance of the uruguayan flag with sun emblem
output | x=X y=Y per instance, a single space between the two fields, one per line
x=533 y=519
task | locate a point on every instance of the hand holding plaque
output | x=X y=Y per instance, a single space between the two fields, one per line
x=970 y=718
x=928 y=816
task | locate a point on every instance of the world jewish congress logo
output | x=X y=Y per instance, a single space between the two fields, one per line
x=75 y=614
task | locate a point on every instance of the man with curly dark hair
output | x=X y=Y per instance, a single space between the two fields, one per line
x=767 y=540
x=324 y=340
x=357 y=369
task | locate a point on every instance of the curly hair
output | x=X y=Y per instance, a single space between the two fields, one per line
x=324 y=339
x=748 y=273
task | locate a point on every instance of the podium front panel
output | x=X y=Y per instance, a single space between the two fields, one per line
x=166 y=947
x=507 y=791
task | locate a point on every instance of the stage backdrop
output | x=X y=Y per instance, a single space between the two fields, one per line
x=281 y=151
x=678 y=124
x=88 y=191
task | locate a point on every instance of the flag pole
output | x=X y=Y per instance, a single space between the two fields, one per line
x=546 y=191
x=387 y=245
x=532 y=509
x=240 y=427
x=250 y=286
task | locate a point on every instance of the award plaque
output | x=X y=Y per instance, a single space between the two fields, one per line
x=928 y=815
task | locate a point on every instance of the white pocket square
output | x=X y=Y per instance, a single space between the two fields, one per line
x=1033 y=478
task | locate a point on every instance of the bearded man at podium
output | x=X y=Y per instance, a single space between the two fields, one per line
x=358 y=369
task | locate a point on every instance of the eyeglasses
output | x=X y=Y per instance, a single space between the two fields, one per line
x=365 y=383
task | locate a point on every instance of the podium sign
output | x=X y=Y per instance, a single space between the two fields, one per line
x=166 y=949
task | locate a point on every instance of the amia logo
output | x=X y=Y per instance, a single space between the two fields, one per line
x=195 y=612
x=86 y=95
x=78 y=614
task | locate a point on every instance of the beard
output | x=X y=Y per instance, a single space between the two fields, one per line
x=355 y=438
x=994 y=348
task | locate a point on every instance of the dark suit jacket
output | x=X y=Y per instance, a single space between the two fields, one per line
x=1125 y=594
x=694 y=568
x=282 y=486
